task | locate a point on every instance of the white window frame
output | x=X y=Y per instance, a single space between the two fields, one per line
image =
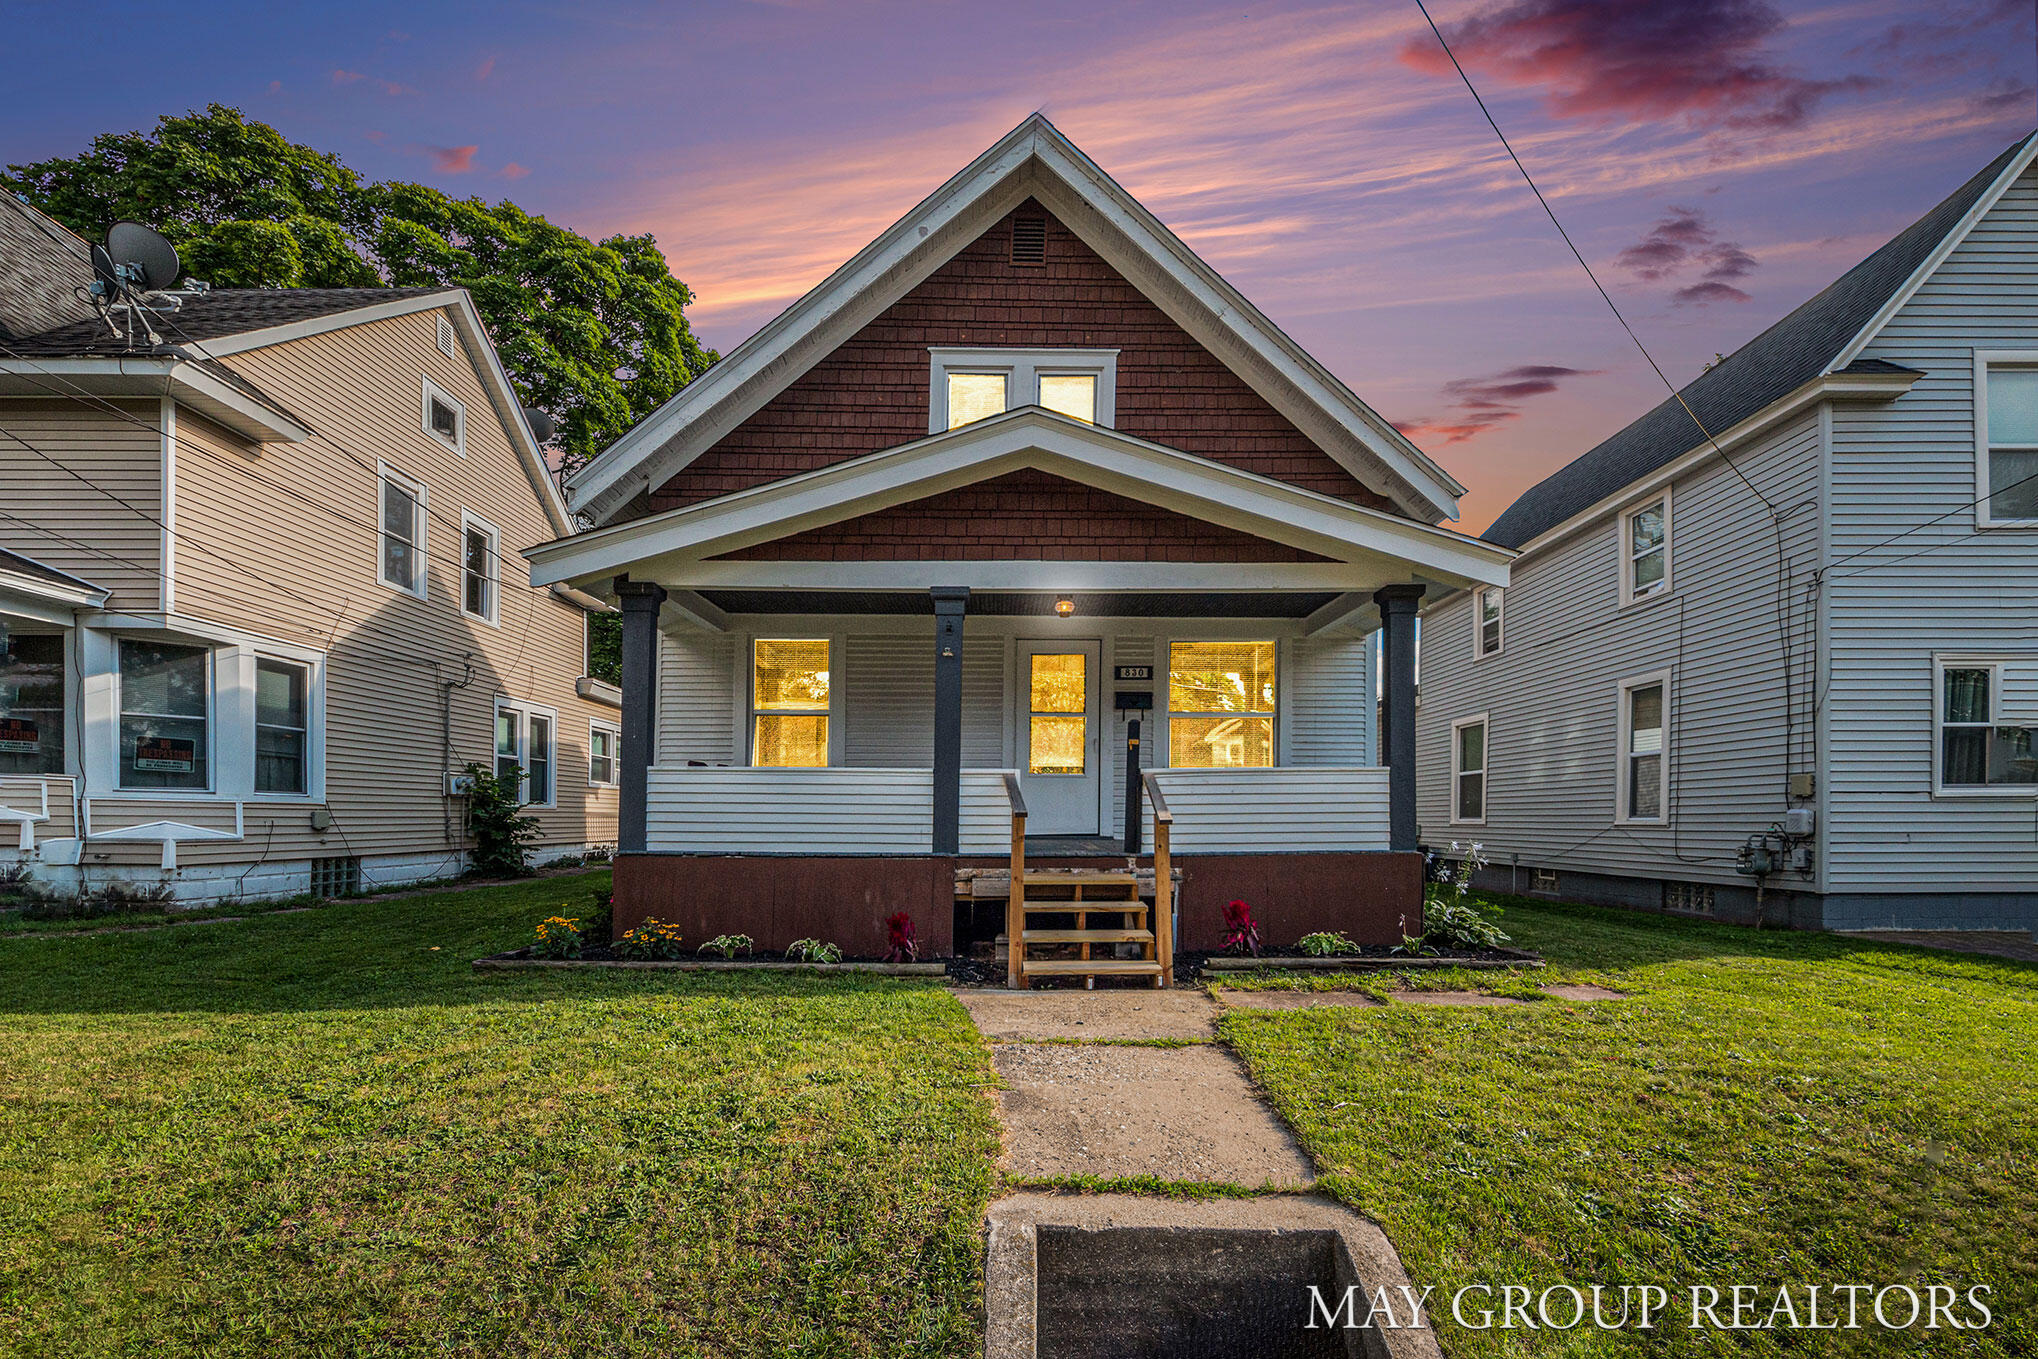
x=524 y=712
x=747 y=711
x=1993 y=663
x=314 y=778
x=1625 y=547
x=1484 y=771
x=432 y=390
x=615 y=734
x=1984 y=360
x=1160 y=754
x=420 y=527
x=1480 y=651
x=212 y=744
x=473 y=523
x=1624 y=727
x=1022 y=370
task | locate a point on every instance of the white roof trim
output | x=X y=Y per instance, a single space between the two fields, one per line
x=1898 y=300
x=1034 y=159
x=1028 y=437
x=144 y=375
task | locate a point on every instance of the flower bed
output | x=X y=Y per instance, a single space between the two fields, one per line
x=521 y=958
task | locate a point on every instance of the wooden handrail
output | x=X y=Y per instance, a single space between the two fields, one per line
x=1015 y=895
x=1163 y=879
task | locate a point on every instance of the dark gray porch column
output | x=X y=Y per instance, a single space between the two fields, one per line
x=950 y=601
x=1397 y=729
x=641 y=600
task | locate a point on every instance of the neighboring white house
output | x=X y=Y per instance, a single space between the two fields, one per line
x=1813 y=648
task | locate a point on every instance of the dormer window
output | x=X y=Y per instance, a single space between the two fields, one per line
x=968 y=385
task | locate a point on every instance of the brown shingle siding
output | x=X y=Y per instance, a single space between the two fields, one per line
x=872 y=392
x=1024 y=516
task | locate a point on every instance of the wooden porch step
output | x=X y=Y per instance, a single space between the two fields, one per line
x=1092 y=967
x=1079 y=877
x=1089 y=936
x=1087 y=907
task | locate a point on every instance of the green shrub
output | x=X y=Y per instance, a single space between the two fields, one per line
x=813 y=951
x=653 y=941
x=558 y=937
x=1324 y=944
x=1449 y=914
x=502 y=833
x=728 y=945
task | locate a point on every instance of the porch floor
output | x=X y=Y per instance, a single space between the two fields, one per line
x=1075 y=846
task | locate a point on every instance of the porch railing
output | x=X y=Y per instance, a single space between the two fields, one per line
x=1015 y=895
x=1163 y=820
x=853 y=811
x=1286 y=810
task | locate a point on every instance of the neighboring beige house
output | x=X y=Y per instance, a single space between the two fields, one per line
x=254 y=613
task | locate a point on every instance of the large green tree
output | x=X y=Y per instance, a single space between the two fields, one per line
x=248 y=208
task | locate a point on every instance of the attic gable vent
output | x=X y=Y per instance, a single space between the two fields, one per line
x=1029 y=240
x=446 y=335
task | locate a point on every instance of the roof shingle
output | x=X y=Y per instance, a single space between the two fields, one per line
x=1775 y=363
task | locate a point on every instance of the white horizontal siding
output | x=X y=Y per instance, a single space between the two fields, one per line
x=986 y=812
x=1552 y=695
x=790 y=811
x=696 y=698
x=1330 y=701
x=1274 y=811
x=1906 y=472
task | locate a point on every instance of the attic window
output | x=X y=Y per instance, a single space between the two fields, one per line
x=444 y=418
x=445 y=335
x=1029 y=241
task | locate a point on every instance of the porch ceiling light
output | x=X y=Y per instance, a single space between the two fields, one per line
x=1064 y=607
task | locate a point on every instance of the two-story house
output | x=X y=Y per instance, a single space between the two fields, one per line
x=1021 y=565
x=259 y=594
x=1771 y=651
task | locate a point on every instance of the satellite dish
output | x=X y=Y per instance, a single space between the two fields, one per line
x=142 y=256
x=542 y=428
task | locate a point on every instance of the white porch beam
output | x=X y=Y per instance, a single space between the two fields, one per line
x=689 y=608
x=1034 y=576
x=1355 y=609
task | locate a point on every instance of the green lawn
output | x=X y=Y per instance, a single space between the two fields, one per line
x=323 y=1134
x=1766 y=1108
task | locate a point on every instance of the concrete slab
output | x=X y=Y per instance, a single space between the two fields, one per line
x=1113 y=1111
x=1582 y=991
x=1006 y=1015
x=1471 y=998
x=1296 y=1000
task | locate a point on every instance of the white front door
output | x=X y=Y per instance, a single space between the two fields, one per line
x=1058 y=736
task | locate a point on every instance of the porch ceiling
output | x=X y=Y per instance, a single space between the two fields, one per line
x=1026 y=604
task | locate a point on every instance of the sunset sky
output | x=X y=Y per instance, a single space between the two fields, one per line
x=1717 y=160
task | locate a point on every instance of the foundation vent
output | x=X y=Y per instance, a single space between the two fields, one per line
x=1688 y=898
x=1029 y=241
x=1545 y=881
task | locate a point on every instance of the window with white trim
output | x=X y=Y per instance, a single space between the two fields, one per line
x=480 y=567
x=1645 y=550
x=32 y=702
x=1644 y=794
x=967 y=385
x=524 y=741
x=2008 y=444
x=1980 y=751
x=1468 y=771
x=1487 y=603
x=403 y=533
x=445 y=419
x=604 y=746
x=165 y=716
x=1221 y=705
x=282 y=726
x=790 y=694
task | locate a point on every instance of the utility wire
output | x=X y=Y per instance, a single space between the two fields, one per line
x=1579 y=256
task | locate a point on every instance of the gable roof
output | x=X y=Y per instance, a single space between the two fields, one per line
x=210 y=326
x=1033 y=160
x=676 y=543
x=14 y=564
x=1823 y=336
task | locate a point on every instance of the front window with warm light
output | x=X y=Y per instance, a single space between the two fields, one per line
x=789 y=703
x=1221 y=705
x=975 y=396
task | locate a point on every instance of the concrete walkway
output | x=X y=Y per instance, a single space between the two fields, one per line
x=1143 y=1092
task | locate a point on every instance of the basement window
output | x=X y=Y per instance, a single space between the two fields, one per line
x=968 y=385
x=339 y=877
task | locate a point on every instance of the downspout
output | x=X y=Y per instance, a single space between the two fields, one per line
x=446 y=688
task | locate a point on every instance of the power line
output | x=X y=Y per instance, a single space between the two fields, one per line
x=1580 y=257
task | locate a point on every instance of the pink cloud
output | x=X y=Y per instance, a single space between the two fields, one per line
x=486 y=69
x=1479 y=404
x=344 y=77
x=1604 y=60
x=452 y=160
x=512 y=170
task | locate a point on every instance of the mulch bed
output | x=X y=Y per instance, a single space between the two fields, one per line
x=601 y=956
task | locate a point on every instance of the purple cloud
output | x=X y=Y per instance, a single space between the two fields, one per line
x=1478 y=404
x=1602 y=60
x=1680 y=239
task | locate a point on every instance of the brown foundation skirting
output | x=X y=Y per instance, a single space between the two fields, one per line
x=1371 y=898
